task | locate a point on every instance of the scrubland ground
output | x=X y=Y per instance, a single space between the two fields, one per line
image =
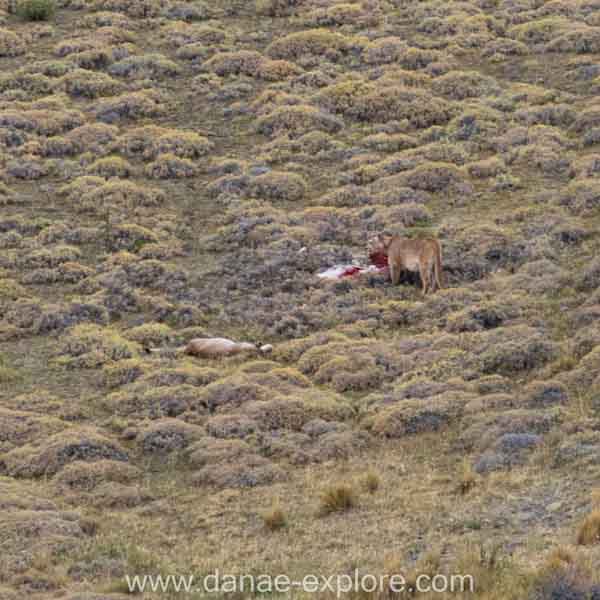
x=173 y=169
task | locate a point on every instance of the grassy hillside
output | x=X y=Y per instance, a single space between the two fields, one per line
x=173 y=169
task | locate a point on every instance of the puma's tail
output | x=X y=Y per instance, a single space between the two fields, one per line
x=439 y=271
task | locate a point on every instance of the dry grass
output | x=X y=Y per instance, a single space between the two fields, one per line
x=172 y=169
x=275 y=518
x=371 y=482
x=589 y=529
x=339 y=497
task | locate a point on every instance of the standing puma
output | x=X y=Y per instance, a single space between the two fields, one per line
x=424 y=256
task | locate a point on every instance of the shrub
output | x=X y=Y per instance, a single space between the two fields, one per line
x=36 y=10
x=141 y=141
x=275 y=8
x=587 y=119
x=49 y=257
x=313 y=42
x=467 y=480
x=249 y=470
x=44 y=122
x=121 y=194
x=183 y=144
x=147 y=66
x=274 y=519
x=139 y=9
x=417 y=416
x=380 y=103
x=86 y=476
x=168 y=435
x=384 y=50
x=460 y=85
x=111 y=166
x=195 y=52
x=276 y=185
x=371 y=482
x=94 y=345
x=170 y=166
x=28 y=168
x=587 y=166
x=154 y=334
x=582 y=195
x=162 y=401
x=244 y=62
x=519 y=355
x=49 y=455
x=580 y=39
x=178 y=35
x=92 y=137
x=384 y=142
x=126 y=371
x=589 y=530
x=350 y=14
x=187 y=11
x=133 y=105
x=20 y=83
x=296 y=121
x=82 y=82
x=498 y=49
x=539 y=30
x=339 y=497
x=434 y=177
x=277 y=70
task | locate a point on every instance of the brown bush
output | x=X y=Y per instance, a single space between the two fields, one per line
x=589 y=529
x=460 y=85
x=11 y=44
x=274 y=519
x=170 y=166
x=415 y=416
x=276 y=8
x=337 y=498
x=276 y=185
x=316 y=42
x=297 y=121
x=50 y=455
x=368 y=102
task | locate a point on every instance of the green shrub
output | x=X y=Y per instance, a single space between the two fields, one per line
x=36 y=10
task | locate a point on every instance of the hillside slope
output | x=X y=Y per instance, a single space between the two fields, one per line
x=174 y=169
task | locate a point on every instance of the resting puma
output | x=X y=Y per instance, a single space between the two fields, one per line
x=214 y=347
x=422 y=256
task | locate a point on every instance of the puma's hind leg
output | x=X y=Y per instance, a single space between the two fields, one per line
x=424 y=273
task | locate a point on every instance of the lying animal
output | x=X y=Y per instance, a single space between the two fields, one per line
x=215 y=347
x=406 y=254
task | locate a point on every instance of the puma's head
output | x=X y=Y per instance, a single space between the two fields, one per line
x=379 y=243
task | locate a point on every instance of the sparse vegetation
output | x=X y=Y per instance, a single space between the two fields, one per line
x=35 y=10
x=175 y=169
x=589 y=530
x=338 y=497
x=275 y=518
x=371 y=482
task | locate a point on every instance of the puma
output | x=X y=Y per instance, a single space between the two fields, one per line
x=215 y=347
x=417 y=255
